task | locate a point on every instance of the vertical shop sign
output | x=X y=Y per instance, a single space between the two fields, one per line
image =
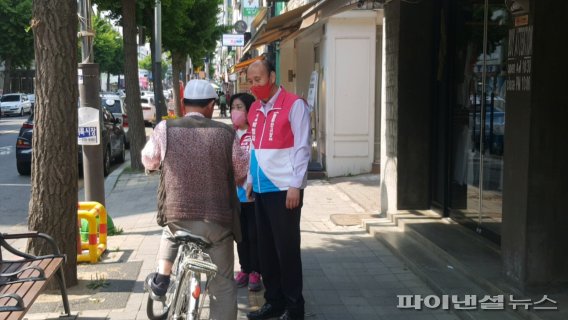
x=519 y=56
x=313 y=91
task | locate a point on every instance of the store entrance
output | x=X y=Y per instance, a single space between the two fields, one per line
x=477 y=114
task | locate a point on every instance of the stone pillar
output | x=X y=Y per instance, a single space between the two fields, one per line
x=378 y=96
x=407 y=106
x=534 y=237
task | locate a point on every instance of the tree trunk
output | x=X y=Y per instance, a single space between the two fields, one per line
x=7 y=73
x=161 y=109
x=108 y=81
x=53 y=203
x=178 y=63
x=136 y=131
x=184 y=71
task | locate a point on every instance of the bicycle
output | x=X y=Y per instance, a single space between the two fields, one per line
x=184 y=298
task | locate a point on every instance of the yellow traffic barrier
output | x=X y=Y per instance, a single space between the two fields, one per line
x=97 y=243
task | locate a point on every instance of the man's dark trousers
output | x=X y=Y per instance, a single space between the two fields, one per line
x=279 y=250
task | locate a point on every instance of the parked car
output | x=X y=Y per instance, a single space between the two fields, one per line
x=113 y=140
x=15 y=104
x=31 y=98
x=115 y=104
x=148 y=110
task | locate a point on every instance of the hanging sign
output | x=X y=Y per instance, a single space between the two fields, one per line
x=240 y=26
x=250 y=8
x=89 y=126
x=313 y=90
x=235 y=40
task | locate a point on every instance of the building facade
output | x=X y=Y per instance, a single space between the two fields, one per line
x=459 y=103
x=471 y=124
x=326 y=52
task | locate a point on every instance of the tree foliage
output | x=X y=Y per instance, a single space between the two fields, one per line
x=127 y=12
x=191 y=31
x=16 y=42
x=108 y=47
x=198 y=30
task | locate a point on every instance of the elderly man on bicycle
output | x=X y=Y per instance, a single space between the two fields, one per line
x=201 y=161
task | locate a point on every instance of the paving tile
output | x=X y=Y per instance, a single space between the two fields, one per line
x=348 y=274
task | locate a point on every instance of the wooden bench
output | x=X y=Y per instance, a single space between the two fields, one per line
x=23 y=279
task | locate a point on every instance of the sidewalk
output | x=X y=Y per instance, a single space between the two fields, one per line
x=347 y=273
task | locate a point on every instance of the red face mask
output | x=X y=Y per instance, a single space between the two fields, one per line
x=262 y=92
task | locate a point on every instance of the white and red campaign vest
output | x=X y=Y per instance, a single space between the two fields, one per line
x=246 y=146
x=273 y=143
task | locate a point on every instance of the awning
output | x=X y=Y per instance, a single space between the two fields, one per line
x=288 y=18
x=259 y=17
x=278 y=27
x=244 y=64
x=318 y=13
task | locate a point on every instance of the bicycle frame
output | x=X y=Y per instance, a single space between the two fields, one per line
x=185 y=298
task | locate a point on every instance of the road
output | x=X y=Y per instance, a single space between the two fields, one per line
x=15 y=189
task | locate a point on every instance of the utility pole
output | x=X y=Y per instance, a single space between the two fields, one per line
x=89 y=99
x=158 y=92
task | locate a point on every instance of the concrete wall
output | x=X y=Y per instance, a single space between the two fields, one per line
x=287 y=62
x=305 y=60
x=350 y=92
x=389 y=109
x=534 y=239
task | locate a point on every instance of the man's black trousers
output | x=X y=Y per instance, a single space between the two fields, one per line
x=279 y=250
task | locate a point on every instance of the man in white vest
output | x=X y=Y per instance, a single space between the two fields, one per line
x=280 y=131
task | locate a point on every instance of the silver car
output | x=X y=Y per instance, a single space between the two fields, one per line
x=15 y=104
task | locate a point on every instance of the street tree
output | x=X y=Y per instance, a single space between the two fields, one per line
x=192 y=30
x=125 y=11
x=107 y=47
x=53 y=203
x=16 y=43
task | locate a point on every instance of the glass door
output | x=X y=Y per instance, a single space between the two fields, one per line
x=317 y=161
x=477 y=112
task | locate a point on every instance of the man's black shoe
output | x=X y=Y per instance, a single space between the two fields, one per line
x=267 y=311
x=288 y=316
x=157 y=290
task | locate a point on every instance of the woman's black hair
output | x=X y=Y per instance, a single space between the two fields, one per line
x=246 y=98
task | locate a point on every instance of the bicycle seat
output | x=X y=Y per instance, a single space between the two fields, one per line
x=185 y=236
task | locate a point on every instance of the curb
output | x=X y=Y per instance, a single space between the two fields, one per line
x=112 y=179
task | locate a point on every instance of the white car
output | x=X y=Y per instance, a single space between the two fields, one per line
x=15 y=104
x=148 y=109
x=115 y=104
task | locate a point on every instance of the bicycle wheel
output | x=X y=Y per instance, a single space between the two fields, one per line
x=179 y=307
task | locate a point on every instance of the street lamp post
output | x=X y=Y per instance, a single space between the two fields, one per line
x=89 y=83
x=160 y=112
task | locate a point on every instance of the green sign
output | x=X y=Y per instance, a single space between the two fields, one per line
x=250 y=12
